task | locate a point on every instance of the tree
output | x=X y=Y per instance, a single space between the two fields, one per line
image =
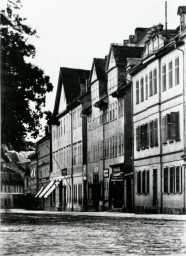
x=23 y=85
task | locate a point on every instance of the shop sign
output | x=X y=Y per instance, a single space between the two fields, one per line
x=106 y=173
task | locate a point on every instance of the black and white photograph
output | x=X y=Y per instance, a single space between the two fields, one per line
x=93 y=127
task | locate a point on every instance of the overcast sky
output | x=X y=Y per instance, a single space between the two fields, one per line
x=73 y=32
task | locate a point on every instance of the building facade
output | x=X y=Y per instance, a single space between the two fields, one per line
x=159 y=121
x=66 y=187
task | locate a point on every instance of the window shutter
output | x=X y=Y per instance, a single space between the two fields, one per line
x=155 y=132
x=151 y=133
x=164 y=130
x=175 y=125
x=147 y=135
x=138 y=138
x=142 y=136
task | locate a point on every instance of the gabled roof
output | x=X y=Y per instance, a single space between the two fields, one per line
x=121 y=52
x=71 y=80
x=100 y=68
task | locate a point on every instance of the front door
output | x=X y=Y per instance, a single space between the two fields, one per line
x=129 y=193
x=154 y=187
x=96 y=191
x=116 y=194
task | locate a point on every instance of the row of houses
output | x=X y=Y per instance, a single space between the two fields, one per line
x=118 y=133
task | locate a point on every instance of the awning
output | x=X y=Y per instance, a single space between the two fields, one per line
x=39 y=192
x=46 y=188
x=55 y=185
x=117 y=176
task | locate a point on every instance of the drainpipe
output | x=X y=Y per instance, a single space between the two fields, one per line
x=133 y=147
x=161 y=144
x=184 y=128
x=104 y=115
x=72 y=169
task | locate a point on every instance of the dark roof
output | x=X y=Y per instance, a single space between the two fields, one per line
x=133 y=61
x=71 y=79
x=100 y=68
x=122 y=52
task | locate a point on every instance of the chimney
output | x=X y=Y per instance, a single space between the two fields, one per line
x=182 y=13
x=139 y=32
x=131 y=39
x=125 y=42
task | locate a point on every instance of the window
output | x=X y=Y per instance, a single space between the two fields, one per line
x=170 y=74
x=146 y=86
x=139 y=182
x=170 y=127
x=178 y=179
x=173 y=180
x=147 y=181
x=120 y=107
x=155 y=81
x=116 y=109
x=150 y=84
x=164 y=78
x=121 y=144
x=166 y=180
x=142 y=90
x=143 y=182
x=137 y=92
x=110 y=111
x=113 y=111
x=138 y=138
x=147 y=134
x=177 y=71
x=115 y=151
x=101 y=150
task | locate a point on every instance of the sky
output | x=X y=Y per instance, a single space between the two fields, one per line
x=73 y=32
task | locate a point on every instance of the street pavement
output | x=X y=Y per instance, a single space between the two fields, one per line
x=103 y=214
x=91 y=233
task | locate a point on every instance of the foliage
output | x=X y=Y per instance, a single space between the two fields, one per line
x=24 y=85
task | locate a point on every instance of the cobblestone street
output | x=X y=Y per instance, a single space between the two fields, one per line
x=39 y=233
